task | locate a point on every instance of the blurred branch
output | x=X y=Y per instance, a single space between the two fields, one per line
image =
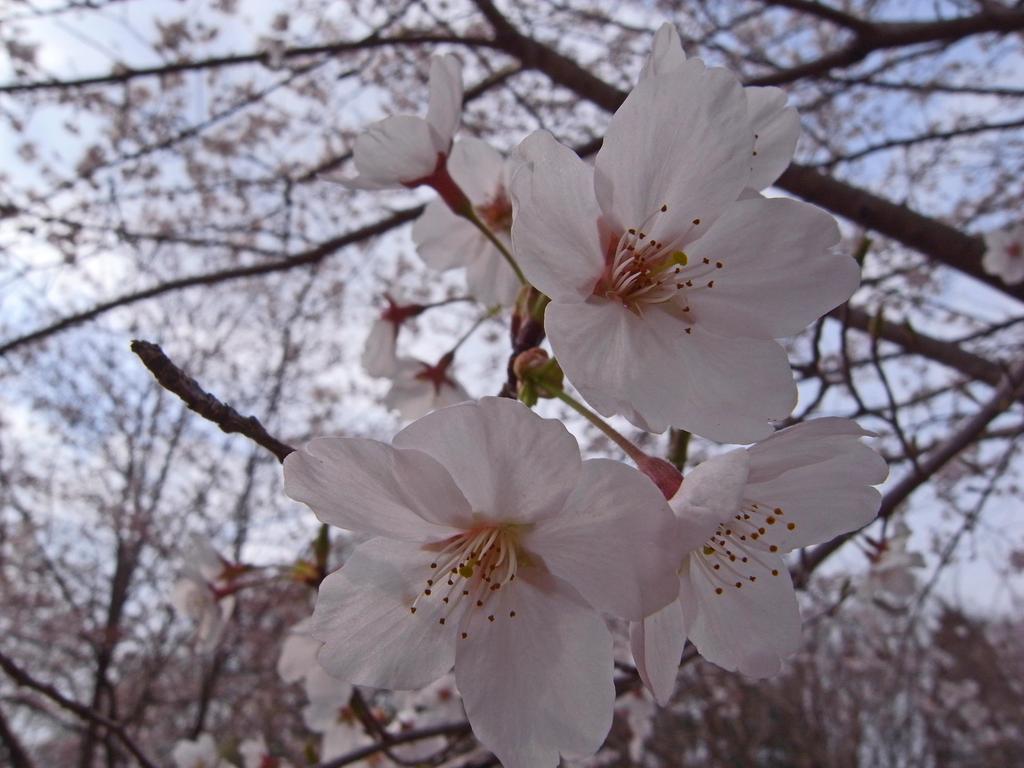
x=304 y=258
x=202 y=402
x=446 y=729
x=20 y=677
x=125 y=74
x=878 y=36
x=12 y=746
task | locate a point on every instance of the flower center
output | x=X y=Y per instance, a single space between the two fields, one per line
x=497 y=213
x=736 y=552
x=468 y=570
x=642 y=271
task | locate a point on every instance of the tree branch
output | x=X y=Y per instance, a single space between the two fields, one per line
x=22 y=678
x=305 y=258
x=173 y=379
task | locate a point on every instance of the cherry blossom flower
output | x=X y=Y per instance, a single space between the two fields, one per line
x=494 y=548
x=776 y=126
x=1004 y=254
x=743 y=511
x=380 y=350
x=669 y=281
x=419 y=388
x=407 y=151
x=201 y=753
x=447 y=241
x=201 y=593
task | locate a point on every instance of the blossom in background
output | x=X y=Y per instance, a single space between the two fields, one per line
x=200 y=594
x=406 y=151
x=1004 y=254
x=418 y=388
x=669 y=280
x=201 y=753
x=744 y=510
x=255 y=754
x=380 y=356
x=447 y=241
x=776 y=127
x=436 y=704
x=891 y=576
x=494 y=548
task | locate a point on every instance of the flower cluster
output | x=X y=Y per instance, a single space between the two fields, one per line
x=662 y=278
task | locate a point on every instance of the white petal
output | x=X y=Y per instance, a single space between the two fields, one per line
x=711 y=492
x=393 y=151
x=491 y=280
x=649 y=370
x=657 y=643
x=363 y=617
x=538 y=683
x=369 y=487
x=683 y=140
x=666 y=53
x=379 y=358
x=776 y=132
x=778 y=274
x=444 y=240
x=615 y=541
x=748 y=629
x=445 y=106
x=812 y=441
x=478 y=168
x=298 y=653
x=555 y=225
x=511 y=464
x=821 y=500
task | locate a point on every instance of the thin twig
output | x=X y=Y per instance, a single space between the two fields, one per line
x=23 y=678
x=173 y=379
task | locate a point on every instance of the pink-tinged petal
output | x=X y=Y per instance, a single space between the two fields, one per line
x=650 y=367
x=379 y=351
x=555 y=224
x=363 y=616
x=776 y=132
x=415 y=397
x=666 y=53
x=478 y=168
x=748 y=629
x=511 y=464
x=540 y=682
x=815 y=441
x=445 y=241
x=615 y=541
x=392 y=151
x=657 y=644
x=682 y=140
x=777 y=275
x=490 y=279
x=711 y=492
x=444 y=109
x=369 y=487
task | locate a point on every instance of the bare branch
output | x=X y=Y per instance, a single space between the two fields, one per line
x=173 y=379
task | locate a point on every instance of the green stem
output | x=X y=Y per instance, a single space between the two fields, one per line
x=475 y=220
x=476 y=324
x=616 y=437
